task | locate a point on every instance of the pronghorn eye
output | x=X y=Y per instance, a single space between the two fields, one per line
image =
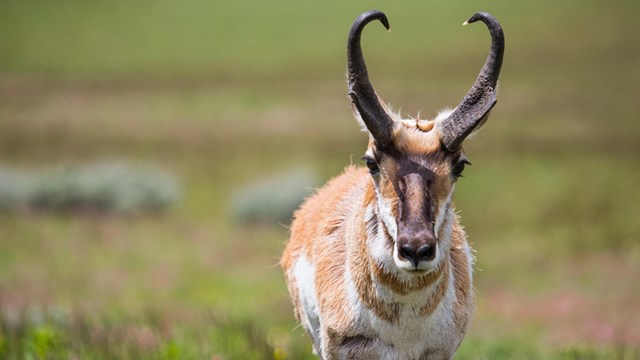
x=458 y=168
x=372 y=164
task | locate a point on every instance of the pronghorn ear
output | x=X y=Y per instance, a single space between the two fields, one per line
x=444 y=114
x=387 y=109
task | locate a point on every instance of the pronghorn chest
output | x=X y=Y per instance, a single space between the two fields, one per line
x=414 y=335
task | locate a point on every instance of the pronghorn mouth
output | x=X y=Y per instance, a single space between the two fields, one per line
x=418 y=272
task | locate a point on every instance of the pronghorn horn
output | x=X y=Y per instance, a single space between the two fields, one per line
x=476 y=105
x=364 y=98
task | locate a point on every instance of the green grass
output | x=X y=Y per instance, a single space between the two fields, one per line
x=223 y=95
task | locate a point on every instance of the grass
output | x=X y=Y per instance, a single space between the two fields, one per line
x=225 y=95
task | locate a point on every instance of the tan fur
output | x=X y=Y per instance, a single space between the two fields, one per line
x=413 y=140
x=362 y=273
x=462 y=279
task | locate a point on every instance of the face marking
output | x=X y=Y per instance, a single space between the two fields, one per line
x=442 y=211
x=414 y=187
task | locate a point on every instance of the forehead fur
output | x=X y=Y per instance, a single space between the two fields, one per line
x=416 y=136
x=419 y=136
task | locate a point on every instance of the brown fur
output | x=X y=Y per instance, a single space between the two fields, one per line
x=403 y=288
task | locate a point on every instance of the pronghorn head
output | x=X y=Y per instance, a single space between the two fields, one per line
x=415 y=163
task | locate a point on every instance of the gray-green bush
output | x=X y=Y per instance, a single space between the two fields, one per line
x=111 y=187
x=273 y=199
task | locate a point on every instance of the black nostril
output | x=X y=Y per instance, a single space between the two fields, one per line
x=408 y=252
x=424 y=253
x=427 y=252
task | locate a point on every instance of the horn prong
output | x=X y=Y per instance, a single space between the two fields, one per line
x=362 y=94
x=474 y=108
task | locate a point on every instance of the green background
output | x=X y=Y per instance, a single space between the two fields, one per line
x=226 y=94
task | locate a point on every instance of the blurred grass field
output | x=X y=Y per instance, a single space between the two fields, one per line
x=224 y=95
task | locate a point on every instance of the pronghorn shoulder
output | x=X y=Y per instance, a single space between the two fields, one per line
x=325 y=203
x=325 y=211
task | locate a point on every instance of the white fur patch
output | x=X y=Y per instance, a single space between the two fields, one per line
x=386 y=214
x=442 y=211
x=378 y=244
x=443 y=114
x=443 y=225
x=304 y=273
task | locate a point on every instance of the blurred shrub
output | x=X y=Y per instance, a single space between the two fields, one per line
x=113 y=187
x=273 y=199
x=13 y=188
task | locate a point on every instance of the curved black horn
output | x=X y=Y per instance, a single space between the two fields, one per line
x=364 y=98
x=476 y=105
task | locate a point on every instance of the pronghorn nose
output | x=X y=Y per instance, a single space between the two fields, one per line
x=416 y=254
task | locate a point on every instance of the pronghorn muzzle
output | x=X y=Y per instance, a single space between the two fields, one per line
x=416 y=239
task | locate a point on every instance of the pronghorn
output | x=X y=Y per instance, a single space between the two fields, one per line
x=378 y=266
